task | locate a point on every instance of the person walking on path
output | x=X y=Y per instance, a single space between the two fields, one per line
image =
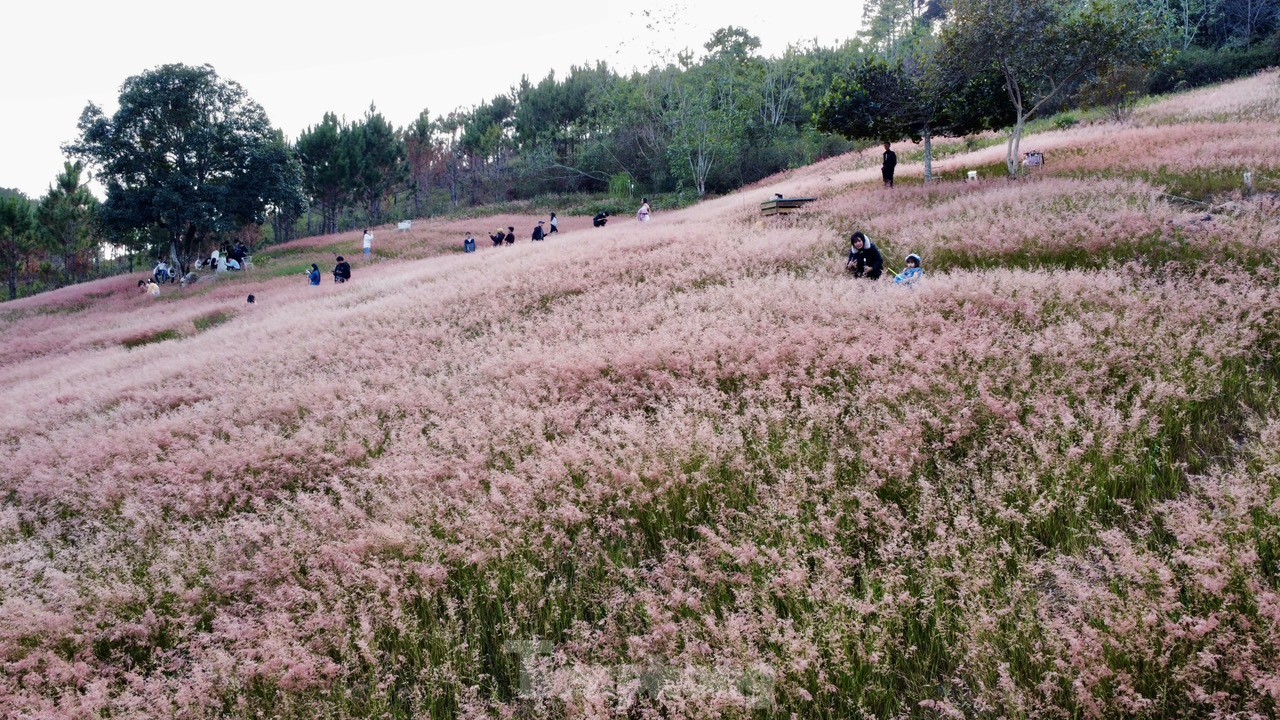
x=368 y=243
x=886 y=168
x=643 y=213
x=555 y=227
x=537 y=232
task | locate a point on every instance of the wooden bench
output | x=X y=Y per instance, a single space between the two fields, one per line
x=783 y=206
x=404 y=225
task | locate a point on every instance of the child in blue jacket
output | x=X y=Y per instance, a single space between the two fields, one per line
x=912 y=273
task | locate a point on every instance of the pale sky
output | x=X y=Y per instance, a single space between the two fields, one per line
x=300 y=60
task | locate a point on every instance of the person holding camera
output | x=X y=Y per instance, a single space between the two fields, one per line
x=341 y=271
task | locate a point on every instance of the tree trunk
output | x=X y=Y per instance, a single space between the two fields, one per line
x=928 y=156
x=1015 y=143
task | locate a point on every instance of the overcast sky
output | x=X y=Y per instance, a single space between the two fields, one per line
x=300 y=60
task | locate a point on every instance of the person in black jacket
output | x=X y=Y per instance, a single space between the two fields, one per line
x=865 y=259
x=600 y=220
x=497 y=239
x=341 y=271
x=886 y=168
x=511 y=235
x=537 y=232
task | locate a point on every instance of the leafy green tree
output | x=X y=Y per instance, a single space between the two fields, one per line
x=1045 y=49
x=631 y=117
x=555 y=125
x=326 y=169
x=917 y=98
x=422 y=156
x=186 y=152
x=377 y=159
x=454 y=155
x=702 y=133
x=784 y=83
x=280 y=165
x=17 y=238
x=871 y=102
x=486 y=144
x=66 y=219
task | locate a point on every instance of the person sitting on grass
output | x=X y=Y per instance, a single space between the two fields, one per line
x=341 y=271
x=865 y=259
x=600 y=219
x=912 y=273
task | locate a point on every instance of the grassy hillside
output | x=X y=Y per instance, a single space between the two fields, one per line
x=685 y=469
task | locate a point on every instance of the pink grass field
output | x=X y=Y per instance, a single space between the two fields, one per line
x=694 y=464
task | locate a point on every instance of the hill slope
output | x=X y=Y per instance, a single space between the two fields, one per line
x=688 y=466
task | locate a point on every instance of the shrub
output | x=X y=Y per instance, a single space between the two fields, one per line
x=1195 y=66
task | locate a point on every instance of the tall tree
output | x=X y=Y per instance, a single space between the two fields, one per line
x=186 y=152
x=1044 y=49
x=65 y=215
x=422 y=153
x=377 y=159
x=326 y=169
x=486 y=142
x=280 y=165
x=916 y=98
x=17 y=238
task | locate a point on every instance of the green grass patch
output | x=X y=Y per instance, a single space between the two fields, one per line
x=212 y=320
x=150 y=337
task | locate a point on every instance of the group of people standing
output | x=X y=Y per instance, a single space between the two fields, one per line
x=508 y=236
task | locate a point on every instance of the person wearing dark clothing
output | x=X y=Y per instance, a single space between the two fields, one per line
x=537 y=232
x=890 y=162
x=497 y=239
x=239 y=252
x=600 y=220
x=341 y=271
x=469 y=244
x=511 y=235
x=865 y=259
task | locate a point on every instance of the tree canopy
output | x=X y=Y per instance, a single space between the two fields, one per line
x=1046 y=49
x=188 y=154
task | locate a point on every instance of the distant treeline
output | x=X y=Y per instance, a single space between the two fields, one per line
x=705 y=122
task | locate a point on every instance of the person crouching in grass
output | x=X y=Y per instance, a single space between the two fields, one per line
x=865 y=260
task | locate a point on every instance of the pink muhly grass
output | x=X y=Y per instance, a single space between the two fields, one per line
x=685 y=454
